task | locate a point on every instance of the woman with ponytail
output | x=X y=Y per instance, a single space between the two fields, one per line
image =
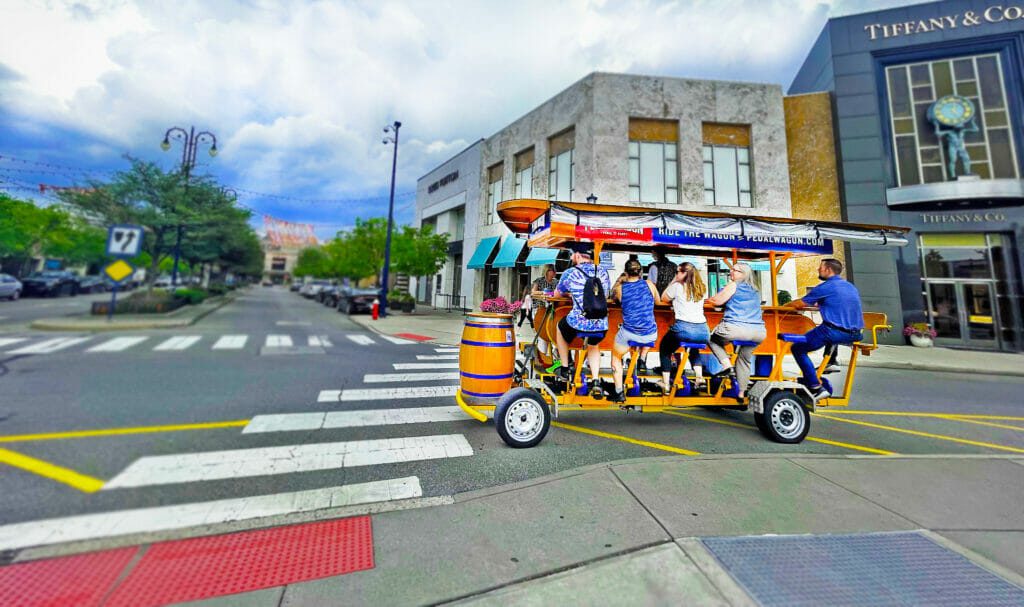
x=686 y=294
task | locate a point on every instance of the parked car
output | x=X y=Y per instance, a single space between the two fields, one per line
x=91 y=284
x=10 y=287
x=352 y=299
x=295 y=286
x=328 y=295
x=50 y=283
x=311 y=289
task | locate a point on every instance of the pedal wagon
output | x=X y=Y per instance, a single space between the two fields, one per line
x=509 y=382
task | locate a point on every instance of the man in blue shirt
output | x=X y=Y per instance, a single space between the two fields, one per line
x=841 y=320
x=574 y=323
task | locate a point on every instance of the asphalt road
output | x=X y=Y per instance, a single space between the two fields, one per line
x=144 y=381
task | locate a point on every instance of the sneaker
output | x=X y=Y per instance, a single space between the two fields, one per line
x=618 y=397
x=554 y=367
x=597 y=392
x=664 y=387
x=833 y=368
x=727 y=372
x=641 y=366
x=819 y=392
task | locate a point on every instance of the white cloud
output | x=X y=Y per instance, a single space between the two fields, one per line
x=297 y=92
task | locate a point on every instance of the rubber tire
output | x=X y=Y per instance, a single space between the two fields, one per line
x=776 y=398
x=762 y=425
x=351 y=309
x=502 y=409
x=15 y=295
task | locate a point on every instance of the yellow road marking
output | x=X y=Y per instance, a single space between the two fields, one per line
x=71 y=478
x=981 y=423
x=121 y=431
x=916 y=414
x=626 y=439
x=953 y=439
x=813 y=439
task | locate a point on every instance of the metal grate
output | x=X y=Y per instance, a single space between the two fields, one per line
x=859 y=569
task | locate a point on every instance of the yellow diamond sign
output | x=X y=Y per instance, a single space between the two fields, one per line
x=119 y=270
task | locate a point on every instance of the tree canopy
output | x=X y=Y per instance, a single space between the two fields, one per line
x=27 y=230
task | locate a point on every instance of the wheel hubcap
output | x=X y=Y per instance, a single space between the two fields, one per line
x=524 y=420
x=788 y=418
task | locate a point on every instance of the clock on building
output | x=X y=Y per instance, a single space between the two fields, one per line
x=952 y=111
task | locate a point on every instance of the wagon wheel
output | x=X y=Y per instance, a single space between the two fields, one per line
x=785 y=418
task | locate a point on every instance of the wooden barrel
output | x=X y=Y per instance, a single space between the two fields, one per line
x=487 y=357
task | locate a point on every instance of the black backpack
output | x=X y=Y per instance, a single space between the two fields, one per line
x=595 y=304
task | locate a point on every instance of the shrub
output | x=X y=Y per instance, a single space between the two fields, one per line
x=217 y=288
x=191 y=296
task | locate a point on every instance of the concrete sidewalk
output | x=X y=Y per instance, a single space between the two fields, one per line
x=182 y=317
x=446 y=328
x=637 y=532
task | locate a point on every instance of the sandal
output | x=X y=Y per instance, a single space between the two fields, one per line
x=597 y=392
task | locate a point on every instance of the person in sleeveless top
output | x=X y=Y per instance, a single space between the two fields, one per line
x=686 y=294
x=637 y=297
x=742 y=321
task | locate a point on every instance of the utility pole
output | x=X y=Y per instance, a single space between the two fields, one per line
x=391 y=216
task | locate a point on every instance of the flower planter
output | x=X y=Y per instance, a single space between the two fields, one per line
x=921 y=341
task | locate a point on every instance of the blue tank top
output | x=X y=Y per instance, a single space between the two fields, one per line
x=638 y=308
x=744 y=307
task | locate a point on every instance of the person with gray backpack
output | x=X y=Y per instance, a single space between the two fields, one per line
x=587 y=284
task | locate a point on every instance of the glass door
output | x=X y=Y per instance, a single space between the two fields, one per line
x=962 y=313
x=979 y=315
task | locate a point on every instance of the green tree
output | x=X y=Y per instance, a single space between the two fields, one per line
x=27 y=230
x=312 y=261
x=419 y=252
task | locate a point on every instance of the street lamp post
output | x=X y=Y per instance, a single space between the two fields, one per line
x=391 y=215
x=190 y=140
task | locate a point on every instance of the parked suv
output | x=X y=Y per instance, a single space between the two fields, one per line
x=51 y=283
x=10 y=287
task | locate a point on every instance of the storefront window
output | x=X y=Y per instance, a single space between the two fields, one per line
x=494 y=178
x=913 y=88
x=955 y=256
x=653 y=165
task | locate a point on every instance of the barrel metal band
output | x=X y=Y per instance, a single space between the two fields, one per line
x=482 y=376
x=476 y=326
x=484 y=344
x=483 y=394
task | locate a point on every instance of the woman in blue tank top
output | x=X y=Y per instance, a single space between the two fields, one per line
x=637 y=297
x=742 y=321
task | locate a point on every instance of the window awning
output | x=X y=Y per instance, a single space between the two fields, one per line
x=482 y=252
x=540 y=256
x=645 y=259
x=509 y=252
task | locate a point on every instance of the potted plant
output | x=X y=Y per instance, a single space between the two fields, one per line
x=920 y=334
x=500 y=305
x=408 y=303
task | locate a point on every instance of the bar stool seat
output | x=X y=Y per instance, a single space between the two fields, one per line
x=793 y=338
x=640 y=344
x=740 y=343
x=692 y=345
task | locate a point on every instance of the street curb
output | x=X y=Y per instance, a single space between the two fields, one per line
x=940 y=369
x=161 y=323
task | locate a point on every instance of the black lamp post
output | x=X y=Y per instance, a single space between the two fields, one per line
x=391 y=215
x=190 y=140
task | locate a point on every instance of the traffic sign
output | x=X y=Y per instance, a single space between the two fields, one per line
x=119 y=271
x=124 y=240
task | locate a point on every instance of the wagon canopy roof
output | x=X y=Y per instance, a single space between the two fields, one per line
x=634 y=228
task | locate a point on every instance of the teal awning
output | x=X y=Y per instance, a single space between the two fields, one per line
x=482 y=252
x=540 y=256
x=645 y=259
x=509 y=252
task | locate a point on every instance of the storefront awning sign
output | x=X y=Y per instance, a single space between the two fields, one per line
x=509 y=252
x=482 y=252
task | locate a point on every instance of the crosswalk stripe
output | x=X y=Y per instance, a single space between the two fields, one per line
x=398 y=340
x=50 y=345
x=231 y=342
x=388 y=393
x=278 y=341
x=412 y=366
x=179 y=516
x=445 y=350
x=180 y=342
x=10 y=341
x=362 y=340
x=319 y=341
x=117 y=344
x=287 y=422
x=382 y=378
x=437 y=357
x=286 y=459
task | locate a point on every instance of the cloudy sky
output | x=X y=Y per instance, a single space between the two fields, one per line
x=297 y=92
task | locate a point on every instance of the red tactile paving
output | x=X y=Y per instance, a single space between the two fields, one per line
x=413 y=336
x=71 y=581
x=188 y=570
